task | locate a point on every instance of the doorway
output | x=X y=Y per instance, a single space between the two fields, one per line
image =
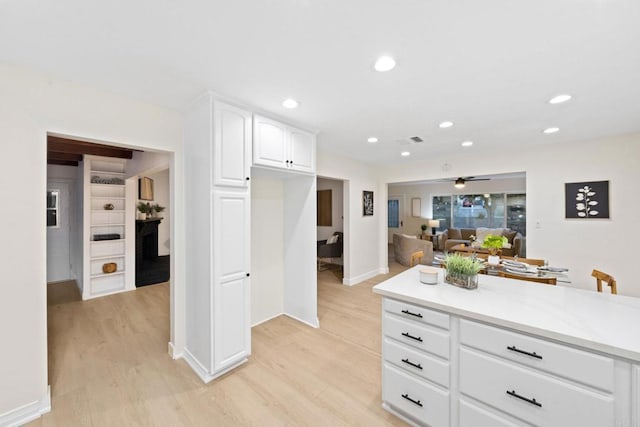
x=60 y=210
x=330 y=230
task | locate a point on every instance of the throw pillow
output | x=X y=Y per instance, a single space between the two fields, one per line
x=454 y=234
x=510 y=235
x=333 y=239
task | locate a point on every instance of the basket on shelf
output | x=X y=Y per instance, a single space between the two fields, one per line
x=109 y=267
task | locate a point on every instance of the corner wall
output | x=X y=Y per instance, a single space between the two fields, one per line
x=580 y=245
x=32 y=104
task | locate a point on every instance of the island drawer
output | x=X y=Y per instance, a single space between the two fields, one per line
x=534 y=397
x=416 y=362
x=577 y=365
x=472 y=415
x=417 y=313
x=426 y=404
x=417 y=335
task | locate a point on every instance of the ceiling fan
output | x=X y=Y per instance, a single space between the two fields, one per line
x=460 y=181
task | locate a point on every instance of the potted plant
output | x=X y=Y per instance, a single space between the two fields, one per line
x=156 y=209
x=423 y=227
x=462 y=271
x=144 y=210
x=494 y=244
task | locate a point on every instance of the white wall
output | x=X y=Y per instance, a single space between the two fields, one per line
x=580 y=245
x=161 y=197
x=362 y=239
x=337 y=221
x=32 y=104
x=267 y=231
x=426 y=191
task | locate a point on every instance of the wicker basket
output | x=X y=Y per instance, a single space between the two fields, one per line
x=109 y=267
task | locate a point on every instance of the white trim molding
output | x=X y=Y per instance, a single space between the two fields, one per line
x=202 y=372
x=361 y=278
x=28 y=412
x=315 y=324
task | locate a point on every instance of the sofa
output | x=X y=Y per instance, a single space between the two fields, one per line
x=455 y=236
x=404 y=246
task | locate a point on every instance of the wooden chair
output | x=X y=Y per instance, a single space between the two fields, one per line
x=604 y=277
x=545 y=280
x=530 y=261
x=415 y=258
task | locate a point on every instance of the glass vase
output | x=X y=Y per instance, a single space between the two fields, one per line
x=461 y=280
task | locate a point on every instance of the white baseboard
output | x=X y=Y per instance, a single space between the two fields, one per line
x=28 y=412
x=260 y=322
x=315 y=324
x=175 y=354
x=202 y=372
x=362 y=277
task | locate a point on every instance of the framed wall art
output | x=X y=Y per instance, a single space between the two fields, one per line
x=587 y=200
x=367 y=203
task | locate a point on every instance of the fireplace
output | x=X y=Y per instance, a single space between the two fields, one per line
x=150 y=268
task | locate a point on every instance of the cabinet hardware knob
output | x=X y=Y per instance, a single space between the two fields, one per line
x=408 y=335
x=248 y=274
x=526 y=399
x=248 y=178
x=412 y=314
x=415 y=402
x=517 y=350
x=415 y=365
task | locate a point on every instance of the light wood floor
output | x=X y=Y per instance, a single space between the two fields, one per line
x=108 y=364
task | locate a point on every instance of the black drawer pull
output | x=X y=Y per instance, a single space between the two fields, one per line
x=408 y=335
x=517 y=350
x=532 y=401
x=412 y=314
x=415 y=365
x=415 y=402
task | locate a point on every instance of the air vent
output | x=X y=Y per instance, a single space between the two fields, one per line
x=416 y=139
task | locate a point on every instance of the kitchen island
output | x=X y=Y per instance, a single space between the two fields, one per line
x=508 y=353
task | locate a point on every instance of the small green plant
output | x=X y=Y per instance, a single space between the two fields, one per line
x=462 y=265
x=423 y=227
x=157 y=208
x=144 y=208
x=494 y=243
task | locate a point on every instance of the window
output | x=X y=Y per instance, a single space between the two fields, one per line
x=393 y=214
x=52 y=207
x=442 y=211
x=496 y=210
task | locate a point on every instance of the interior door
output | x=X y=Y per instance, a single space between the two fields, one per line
x=394 y=216
x=58 y=239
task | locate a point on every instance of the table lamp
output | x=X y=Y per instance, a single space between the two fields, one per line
x=434 y=223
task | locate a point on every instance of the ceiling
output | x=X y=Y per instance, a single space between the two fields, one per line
x=489 y=66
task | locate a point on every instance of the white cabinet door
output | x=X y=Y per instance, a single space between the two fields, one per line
x=231 y=145
x=232 y=336
x=270 y=142
x=302 y=150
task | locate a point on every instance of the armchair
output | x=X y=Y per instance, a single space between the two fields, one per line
x=330 y=250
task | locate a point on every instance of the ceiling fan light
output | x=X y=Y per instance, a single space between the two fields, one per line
x=459 y=183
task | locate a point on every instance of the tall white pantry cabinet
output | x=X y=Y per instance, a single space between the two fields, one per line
x=217 y=165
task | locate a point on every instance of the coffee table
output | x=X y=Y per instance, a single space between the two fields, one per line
x=464 y=248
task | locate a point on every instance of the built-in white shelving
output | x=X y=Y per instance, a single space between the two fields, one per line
x=105 y=217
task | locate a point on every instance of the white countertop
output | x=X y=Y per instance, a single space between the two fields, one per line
x=602 y=322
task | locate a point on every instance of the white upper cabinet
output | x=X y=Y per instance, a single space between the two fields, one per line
x=302 y=149
x=278 y=145
x=232 y=145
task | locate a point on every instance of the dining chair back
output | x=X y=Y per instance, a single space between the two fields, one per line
x=415 y=258
x=604 y=277
x=545 y=280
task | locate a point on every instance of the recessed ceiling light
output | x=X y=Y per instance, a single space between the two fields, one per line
x=551 y=130
x=290 y=103
x=445 y=125
x=467 y=143
x=384 y=63
x=372 y=139
x=559 y=99
x=405 y=154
